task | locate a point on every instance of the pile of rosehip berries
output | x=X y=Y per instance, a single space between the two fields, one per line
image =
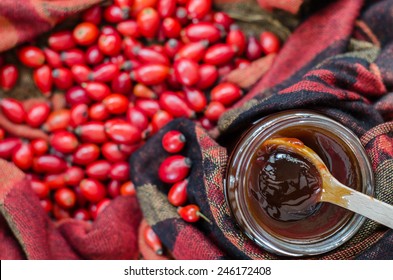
x=126 y=70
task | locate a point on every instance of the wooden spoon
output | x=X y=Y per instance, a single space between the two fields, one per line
x=332 y=190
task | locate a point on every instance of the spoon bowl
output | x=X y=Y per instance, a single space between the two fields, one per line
x=330 y=189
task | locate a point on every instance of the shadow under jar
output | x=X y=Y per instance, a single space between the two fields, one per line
x=261 y=220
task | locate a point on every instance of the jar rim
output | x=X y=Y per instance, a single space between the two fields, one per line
x=234 y=174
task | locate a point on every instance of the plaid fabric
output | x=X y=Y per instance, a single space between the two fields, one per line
x=337 y=62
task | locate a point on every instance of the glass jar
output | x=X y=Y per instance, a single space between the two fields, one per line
x=328 y=227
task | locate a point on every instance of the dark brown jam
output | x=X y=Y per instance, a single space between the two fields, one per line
x=289 y=185
x=283 y=187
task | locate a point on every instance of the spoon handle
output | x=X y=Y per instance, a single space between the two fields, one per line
x=358 y=202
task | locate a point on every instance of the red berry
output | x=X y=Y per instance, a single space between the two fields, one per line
x=190 y=213
x=105 y=72
x=175 y=105
x=120 y=171
x=40 y=188
x=23 y=156
x=124 y=133
x=77 y=95
x=114 y=14
x=193 y=50
x=219 y=54
x=81 y=215
x=253 y=49
x=73 y=175
x=62 y=78
x=96 y=90
x=148 y=21
x=202 y=31
x=151 y=74
x=148 y=106
x=93 y=55
x=62 y=40
x=116 y=103
x=122 y=83
x=60 y=213
x=98 y=112
x=52 y=58
x=99 y=169
x=42 y=77
x=79 y=115
x=92 y=132
x=128 y=28
x=270 y=43
x=111 y=151
x=65 y=198
x=137 y=118
x=64 y=141
x=47 y=205
x=39 y=147
x=92 y=190
x=226 y=93
x=37 y=114
x=8 y=146
x=149 y=56
x=102 y=205
x=171 y=27
x=13 y=110
x=208 y=75
x=177 y=194
x=73 y=57
x=197 y=9
x=93 y=14
x=214 y=111
x=127 y=188
x=237 y=39
x=152 y=240
x=113 y=188
x=166 y=8
x=196 y=99
x=81 y=73
x=85 y=154
x=143 y=91
x=57 y=120
x=186 y=71
x=173 y=141
x=8 y=76
x=55 y=181
x=159 y=120
x=172 y=47
x=49 y=164
x=110 y=44
x=222 y=19
x=174 y=169
x=31 y=56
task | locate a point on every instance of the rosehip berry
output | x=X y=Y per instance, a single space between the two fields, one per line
x=111 y=151
x=47 y=205
x=102 y=205
x=137 y=118
x=110 y=44
x=128 y=28
x=149 y=56
x=219 y=54
x=2 y=134
x=253 y=49
x=222 y=19
x=270 y=43
x=60 y=213
x=31 y=56
x=8 y=76
x=208 y=75
x=73 y=57
x=23 y=156
x=39 y=147
x=13 y=110
x=52 y=58
x=174 y=169
x=57 y=120
x=197 y=9
x=186 y=71
x=143 y=91
x=42 y=77
x=49 y=164
x=172 y=47
x=62 y=40
x=38 y=114
x=127 y=188
x=93 y=14
x=116 y=103
x=64 y=141
x=92 y=132
x=114 y=14
x=92 y=190
x=202 y=31
x=105 y=72
x=159 y=120
x=171 y=27
x=8 y=146
x=122 y=83
x=214 y=111
x=152 y=240
x=148 y=21
x=175 y=105
x=99 y=170
x=79 y=114
x=120 y=171
x=196 y=99
x=226 y=93
x=86 y=153
x=96 y=91
x=40 y=188
x=113 y=188
x=77 y=95
x=98 y=112
x=62 y=78
x=55 y=181
x=166 y=8
x=193 y=50
x=151 y=74
x=124 y=133
x=177 y=194
x=237 y=39
x=81 y=215
x=81 y=73
x=73 y=175
x=65 y=198
x=139 y=5
x=93 y=55
x=173 y=141
x=191 y=213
